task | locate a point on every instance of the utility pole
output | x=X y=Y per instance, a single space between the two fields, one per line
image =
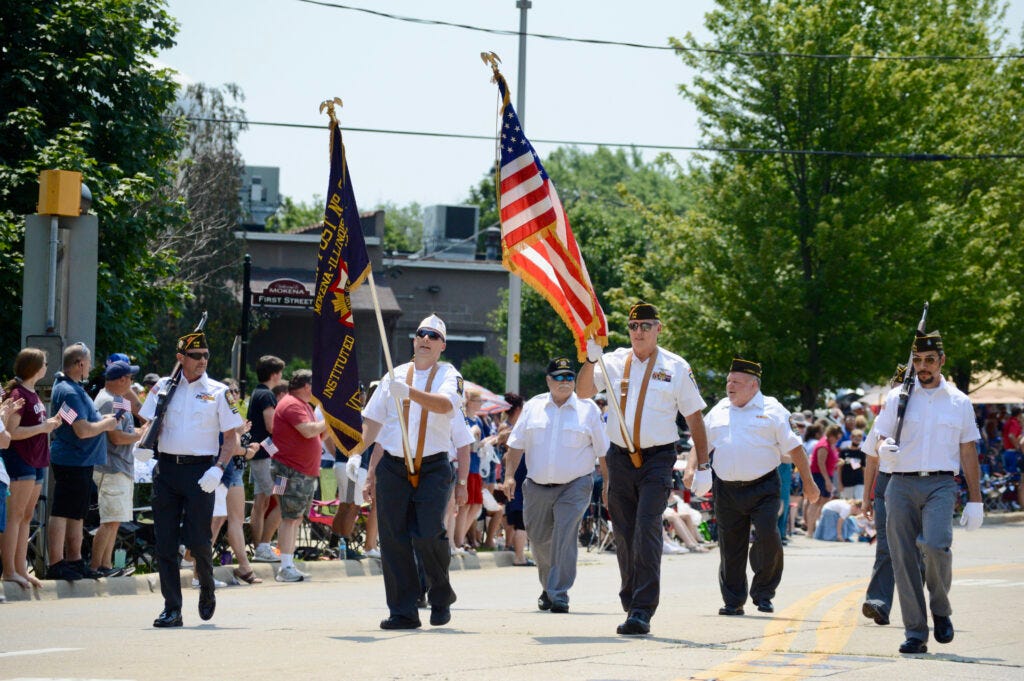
x=515 y=284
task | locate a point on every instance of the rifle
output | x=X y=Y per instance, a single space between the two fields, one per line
x=163 y=399
x=908 y=380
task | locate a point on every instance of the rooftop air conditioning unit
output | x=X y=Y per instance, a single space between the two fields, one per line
x=449 y=232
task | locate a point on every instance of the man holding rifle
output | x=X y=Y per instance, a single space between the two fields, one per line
x=934 y=441
x=191 y=457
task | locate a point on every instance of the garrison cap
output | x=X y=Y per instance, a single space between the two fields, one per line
x=560 y=366
x=745 y=366
x=925 y=342
x=643 y=311
x=192 y=341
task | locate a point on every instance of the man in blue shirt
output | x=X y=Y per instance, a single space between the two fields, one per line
x=78 y=445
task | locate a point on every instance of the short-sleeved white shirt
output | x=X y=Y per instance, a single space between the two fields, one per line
x=196 y=416
x=560 y=443
x=461 y=434
x=382 y=409
x=672 y=389
x=749 y=441
x=937 y=422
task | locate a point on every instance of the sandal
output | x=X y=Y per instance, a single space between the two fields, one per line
x=20 y=581
x=248 y=577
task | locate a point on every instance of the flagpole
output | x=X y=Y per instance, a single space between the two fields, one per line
x=391 y=375
x=613 y=400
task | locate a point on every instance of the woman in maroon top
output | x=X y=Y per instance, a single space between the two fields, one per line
x=824 y=461
x=26 y=461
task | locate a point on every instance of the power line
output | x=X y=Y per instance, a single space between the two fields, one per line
x=905 y=156
x=648 y=46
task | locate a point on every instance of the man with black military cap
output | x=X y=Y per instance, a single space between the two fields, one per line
x=748 y=433
x=651 y=386
x=561 y=436
x=190 y=462
x=936 y=442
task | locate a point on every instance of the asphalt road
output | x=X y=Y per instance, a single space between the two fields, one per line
x=327 y=627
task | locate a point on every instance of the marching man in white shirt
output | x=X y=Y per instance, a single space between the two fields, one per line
x=937 y=440
x=748 y=432
x=561 y=435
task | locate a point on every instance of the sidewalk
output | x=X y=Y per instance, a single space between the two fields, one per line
x=321 y=571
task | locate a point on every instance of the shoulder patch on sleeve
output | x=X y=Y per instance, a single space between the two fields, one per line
x=460 y=385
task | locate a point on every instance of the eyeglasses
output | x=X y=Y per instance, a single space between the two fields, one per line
x=929 y=360
x=198 y=356
x=642 y=326
x=563 y=378
x=432 y=335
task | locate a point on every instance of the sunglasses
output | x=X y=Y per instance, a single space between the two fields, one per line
x=929 y=360
x=641 y=326
x=198 y=356
x=432 y=335
x=563 y=378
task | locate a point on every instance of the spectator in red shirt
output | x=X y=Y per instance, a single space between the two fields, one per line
x=296 y=466
x=1012 y=435
x=824 y=461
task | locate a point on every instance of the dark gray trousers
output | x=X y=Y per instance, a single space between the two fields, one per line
x=736 y=509
x=882 y=584
x=411 y=517
x=553 y=514
x=636 y=500
x=181 y=515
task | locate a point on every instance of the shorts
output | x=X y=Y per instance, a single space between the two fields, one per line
x=17 y=469
x=72 y=487
x=115 y=493
x=298 y=492
x=220 y=502
x=346 y=486
x=819 y=480
x=260 y=477
x=1011 y=461
x=3 y=507
x=232 y=475
x=853 y=492
x=474 y=487
x=515 y=519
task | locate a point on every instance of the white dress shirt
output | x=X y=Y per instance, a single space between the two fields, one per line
x=383 y=410
x=672 y=389
x=196 y=416
x=560 y=443
x=749 y=441
x=937 y=422
x=461 y=434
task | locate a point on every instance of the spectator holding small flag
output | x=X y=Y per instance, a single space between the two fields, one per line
x=78 y=445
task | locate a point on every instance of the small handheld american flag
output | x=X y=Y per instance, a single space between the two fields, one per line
x=121 y=405
x=269 y=447
x=67 y=414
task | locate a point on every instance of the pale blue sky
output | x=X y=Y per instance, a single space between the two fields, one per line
x=288 y=56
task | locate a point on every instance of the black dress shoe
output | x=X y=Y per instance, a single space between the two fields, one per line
x=396 y=622
x=943 y=629
x=168 y=618
x=421 y=602
x=207 y=604
x=765 y=605
x=913 y=646
x=730 y=610
x=543 y=602
x=635 y=625
x=872 y=611
x=559 y=607
x=440 y=616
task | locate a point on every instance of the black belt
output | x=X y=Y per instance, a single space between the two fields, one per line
x=426 y=459
x=922 y=474
x=187 y=459
x=748 y=483
x=545 y=484
x=647 y=451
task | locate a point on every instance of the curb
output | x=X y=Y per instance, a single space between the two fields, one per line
x=323 y=571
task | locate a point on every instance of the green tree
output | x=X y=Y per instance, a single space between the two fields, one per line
x=818 y=264
x=484 y=371
x=403 y=227
x=80 y=93
x=294 y=216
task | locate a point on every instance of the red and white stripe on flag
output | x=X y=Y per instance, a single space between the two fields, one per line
x=67 y=414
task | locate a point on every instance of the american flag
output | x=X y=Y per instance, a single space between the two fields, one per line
x=67 y=414
x=537 y=240
x=121 y=404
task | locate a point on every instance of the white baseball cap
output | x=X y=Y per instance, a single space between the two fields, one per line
x=434 y=323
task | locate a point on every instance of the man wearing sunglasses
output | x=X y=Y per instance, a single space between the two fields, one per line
x=936 y=442
x=197 y=440
x=411 y=516
x=652 y=385
x=561 y=435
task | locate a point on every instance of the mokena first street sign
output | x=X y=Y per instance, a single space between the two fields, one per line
x=284 y=293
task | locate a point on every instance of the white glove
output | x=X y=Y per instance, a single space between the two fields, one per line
x=594 y=351
x=352 y=467
x=973 y=515
x=211 y=478
x=888 y=453
x=360 y=481
x=142 y=454
x=701 y=483
x=399 y=390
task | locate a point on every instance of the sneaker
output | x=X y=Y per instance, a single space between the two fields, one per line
x=373 y=553
x=289 y=574
x=352 y=554
x=217 y=584
x=265 y=555
x=63 y=570
x=109 y=572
